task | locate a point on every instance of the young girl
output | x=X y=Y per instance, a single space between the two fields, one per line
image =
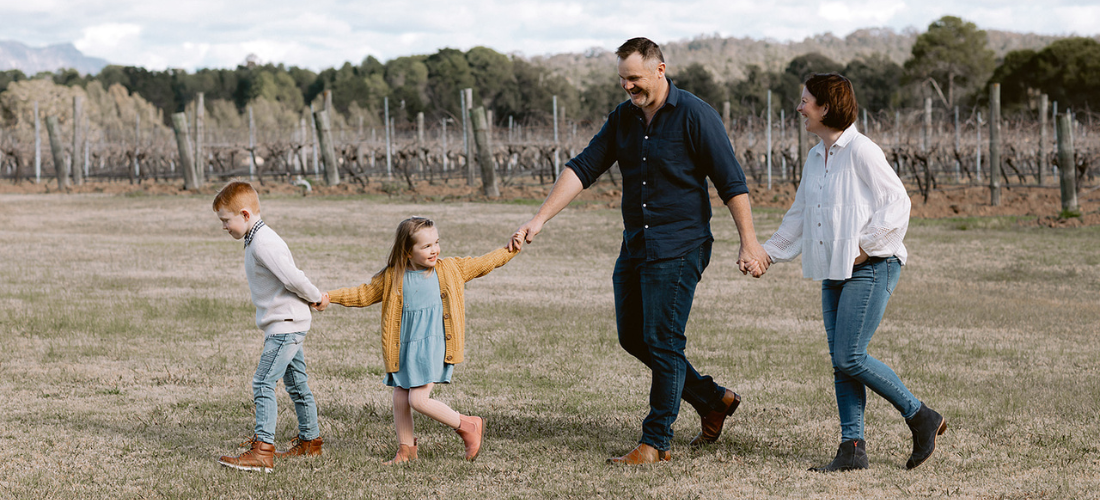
x=423 y=326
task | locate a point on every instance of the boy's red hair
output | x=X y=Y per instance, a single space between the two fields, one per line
x=237 y=195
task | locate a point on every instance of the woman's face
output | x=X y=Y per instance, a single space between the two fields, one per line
x=813 y=112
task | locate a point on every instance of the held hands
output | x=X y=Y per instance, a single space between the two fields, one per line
x=323 y=304
x=752 y=259
x=525 y=234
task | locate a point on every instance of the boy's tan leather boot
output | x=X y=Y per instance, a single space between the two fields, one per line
x=260 y=458
x=311 y=448
x=470 y=429
x=405 y=453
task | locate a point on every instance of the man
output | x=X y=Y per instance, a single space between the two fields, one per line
x=667 y=143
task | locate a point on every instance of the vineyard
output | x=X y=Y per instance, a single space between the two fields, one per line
x=934 y=152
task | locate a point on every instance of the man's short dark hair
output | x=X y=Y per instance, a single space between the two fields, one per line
x=835 y=92
x=640 y=45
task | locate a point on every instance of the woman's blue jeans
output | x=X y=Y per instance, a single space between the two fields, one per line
x=852 y=309
x=283 y=358
x=652 y=302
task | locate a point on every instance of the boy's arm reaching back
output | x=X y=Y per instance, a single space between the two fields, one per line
x=281 y=264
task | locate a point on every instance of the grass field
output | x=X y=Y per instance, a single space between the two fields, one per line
x=130 y=346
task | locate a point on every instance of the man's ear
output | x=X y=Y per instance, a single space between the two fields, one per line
x=247 y=214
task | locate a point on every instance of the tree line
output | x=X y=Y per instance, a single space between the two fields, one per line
x=950 y=62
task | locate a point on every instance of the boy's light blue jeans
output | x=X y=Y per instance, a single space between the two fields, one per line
x=852 y=309
x=283 y=358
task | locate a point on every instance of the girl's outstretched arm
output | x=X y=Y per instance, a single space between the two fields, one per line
x=359 y=296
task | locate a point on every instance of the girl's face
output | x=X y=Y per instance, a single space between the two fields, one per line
x=425 y=249
x=813 y=112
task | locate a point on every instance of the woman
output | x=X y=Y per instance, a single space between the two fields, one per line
x=848 y=220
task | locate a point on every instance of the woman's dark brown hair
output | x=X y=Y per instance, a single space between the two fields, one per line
x=835 y=93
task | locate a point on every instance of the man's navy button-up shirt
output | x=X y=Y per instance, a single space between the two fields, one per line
x=665 y=166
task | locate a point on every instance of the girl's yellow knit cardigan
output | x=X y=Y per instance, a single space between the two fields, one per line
x=453 y=272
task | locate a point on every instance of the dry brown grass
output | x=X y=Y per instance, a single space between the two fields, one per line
x=131 y=346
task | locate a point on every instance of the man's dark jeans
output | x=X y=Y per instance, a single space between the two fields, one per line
x=652 y=303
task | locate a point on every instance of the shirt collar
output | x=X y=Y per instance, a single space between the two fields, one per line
x=672 y=100
x=846 y=137
x=252 y=232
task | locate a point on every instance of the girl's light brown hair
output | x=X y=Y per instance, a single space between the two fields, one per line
x=835 y=93
x=238 y=195
x=403 y=242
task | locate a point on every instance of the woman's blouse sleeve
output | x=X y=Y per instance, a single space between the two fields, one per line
x=883 y=235
x=786 y=243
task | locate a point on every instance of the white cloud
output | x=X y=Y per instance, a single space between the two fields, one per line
x=103 y=39
x=212 y=33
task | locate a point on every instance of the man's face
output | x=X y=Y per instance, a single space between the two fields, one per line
x=642 y=79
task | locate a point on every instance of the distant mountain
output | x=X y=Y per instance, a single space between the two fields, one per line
x=31 y=60
x=728 y=58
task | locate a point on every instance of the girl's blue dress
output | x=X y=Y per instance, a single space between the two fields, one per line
x=423 y=345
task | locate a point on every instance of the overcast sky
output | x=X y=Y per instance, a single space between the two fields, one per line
x=317 y=34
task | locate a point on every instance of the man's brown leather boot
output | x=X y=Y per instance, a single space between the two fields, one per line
x=311 y=448
x=260 y=458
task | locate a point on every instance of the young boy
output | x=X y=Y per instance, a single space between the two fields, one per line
x=281 y=293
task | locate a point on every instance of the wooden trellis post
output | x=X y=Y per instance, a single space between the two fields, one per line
x=421 y=157
x=1044 y=103
x=200 y=125
x=489 y=185
x=389 y=147
x=37 y=145
x=78 y=116
x=328 y=149
x=183 y=143
x=995 y=144
x=467 y=95
x=1066 y=166
x=58 y=152
x=769 y=137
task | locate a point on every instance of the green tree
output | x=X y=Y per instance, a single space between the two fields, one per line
x=408 y=79
x=491 y=71
x=448 y=73
x=787 y=87
x=953 y=53
x=751 y=94
x=599 y=99
x=10 y=76
x=876 y=80
x=1016 y=74
x=696 y=79
x=1067 y=70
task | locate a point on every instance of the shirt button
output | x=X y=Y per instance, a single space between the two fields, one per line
x=818 y=224
x=448 y=358
x=448 y=336
x=643 y=158
x=647 y=137
x=643 y=205
x=447 y=316
x=443 y=295
x=821 y=243
x=647 y=226
x=643 y=183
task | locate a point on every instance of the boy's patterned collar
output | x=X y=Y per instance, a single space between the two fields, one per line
x=252 y=232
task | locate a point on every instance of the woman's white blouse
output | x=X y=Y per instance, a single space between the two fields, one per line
x=855 y=200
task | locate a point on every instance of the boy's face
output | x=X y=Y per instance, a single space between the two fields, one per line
x=236 y=224
x=425 y=249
